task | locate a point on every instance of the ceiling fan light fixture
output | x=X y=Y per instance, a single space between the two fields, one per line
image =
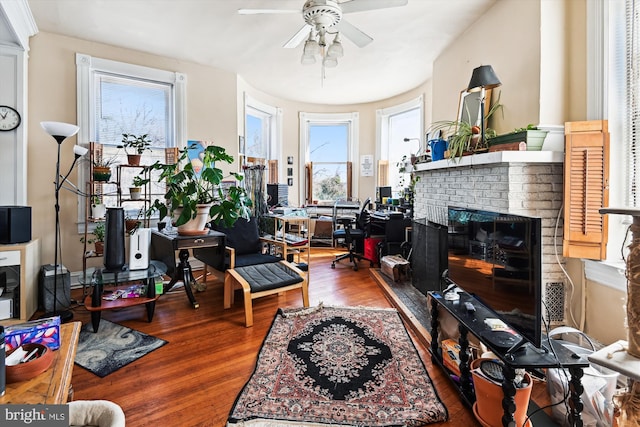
x=329 y=62
x=308 y=59
x=336 y=50
x=311 y=46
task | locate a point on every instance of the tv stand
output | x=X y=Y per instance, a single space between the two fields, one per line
x=515 y=352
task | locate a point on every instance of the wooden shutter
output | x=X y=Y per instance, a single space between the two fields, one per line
x=349 y=180
x=272 y=166
x=309 y=183
x=383 y=173
x=586 y=189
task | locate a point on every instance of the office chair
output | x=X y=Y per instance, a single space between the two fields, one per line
x=395 y=237
x=353 y=232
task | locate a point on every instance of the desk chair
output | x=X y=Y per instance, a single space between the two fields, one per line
x=353 y=232
x=395 y=237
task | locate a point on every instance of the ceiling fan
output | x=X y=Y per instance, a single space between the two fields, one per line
x=322 y=16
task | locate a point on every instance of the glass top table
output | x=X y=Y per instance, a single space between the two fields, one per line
x=156 y=269
x=98 y=301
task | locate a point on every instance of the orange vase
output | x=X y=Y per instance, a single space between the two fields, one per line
x=488 y=407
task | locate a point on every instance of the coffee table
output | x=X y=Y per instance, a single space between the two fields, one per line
x=106 y=282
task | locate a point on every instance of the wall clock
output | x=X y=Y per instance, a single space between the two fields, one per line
x=9 y=118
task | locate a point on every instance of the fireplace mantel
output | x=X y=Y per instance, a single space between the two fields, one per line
x=495 y=158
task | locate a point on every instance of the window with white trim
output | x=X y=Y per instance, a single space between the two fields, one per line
x=613 y=93
x=394 y=125
x=262 y=130
x=329 y=144
x=116 y=98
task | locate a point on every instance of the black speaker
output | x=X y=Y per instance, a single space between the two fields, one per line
x=63 y=288
x=15 y=224
x=114 y=253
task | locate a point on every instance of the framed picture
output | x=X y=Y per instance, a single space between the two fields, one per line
x=469 y=107
x=290 y=182
x=195 y=153
x=289 y=160
x=289 y=171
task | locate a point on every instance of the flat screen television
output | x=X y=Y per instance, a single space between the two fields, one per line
x=497 y=257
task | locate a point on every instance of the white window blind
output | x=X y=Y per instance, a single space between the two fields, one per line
x=632 y=116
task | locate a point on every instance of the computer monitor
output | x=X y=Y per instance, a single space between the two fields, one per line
x=382 y=192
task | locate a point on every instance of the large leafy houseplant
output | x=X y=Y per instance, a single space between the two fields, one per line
x=189 y=186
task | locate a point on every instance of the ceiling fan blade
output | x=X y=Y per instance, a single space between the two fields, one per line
x=359 y=38
x=363 y=5
x=266 y=11
x=298 y=37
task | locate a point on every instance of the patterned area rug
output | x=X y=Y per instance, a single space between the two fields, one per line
x=339 y=367
x=112 y=347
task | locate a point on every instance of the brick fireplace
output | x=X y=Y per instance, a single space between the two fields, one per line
x=518 y=182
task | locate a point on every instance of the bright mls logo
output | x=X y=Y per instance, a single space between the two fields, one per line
x=34 y=415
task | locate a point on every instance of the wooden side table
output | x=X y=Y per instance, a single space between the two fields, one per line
x=51 y=386
x=164 y=247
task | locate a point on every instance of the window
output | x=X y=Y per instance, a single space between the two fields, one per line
x=612 y=93
x=328 y=141
x=116 y=98
x=394 y=125
x=262 y=130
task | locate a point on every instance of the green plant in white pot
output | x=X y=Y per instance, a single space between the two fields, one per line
x=531 y=135
x=198 y=193
x=135 y=191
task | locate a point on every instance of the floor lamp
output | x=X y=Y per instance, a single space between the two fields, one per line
x=61 y=131
x=482 y=78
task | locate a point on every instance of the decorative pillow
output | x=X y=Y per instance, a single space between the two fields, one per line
x=243 y=236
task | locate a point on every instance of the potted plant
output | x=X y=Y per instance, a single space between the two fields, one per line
x=98 y=209
x=464 y=137
x=531 y=135
x=102 y=169
x=131 y=224
x=137 y=144
x=197 y=193
x=135 y=191
x=98 y=238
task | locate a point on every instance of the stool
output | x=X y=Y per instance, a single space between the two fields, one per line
x=261 y=280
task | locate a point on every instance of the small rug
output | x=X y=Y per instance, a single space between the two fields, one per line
x=112 y=347
x=340 y=367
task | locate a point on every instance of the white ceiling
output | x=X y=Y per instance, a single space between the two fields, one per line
x=406 y=41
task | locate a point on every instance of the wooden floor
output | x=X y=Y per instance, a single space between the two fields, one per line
x=194 y=379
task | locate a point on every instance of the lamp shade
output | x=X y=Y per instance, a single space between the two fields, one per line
x=59 y=129
x=483 y=77
x=80 y=151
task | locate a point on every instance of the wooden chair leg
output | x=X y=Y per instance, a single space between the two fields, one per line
x=305 y=293
x=248 y=307
x=228 y=289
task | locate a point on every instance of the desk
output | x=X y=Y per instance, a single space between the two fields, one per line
x=164 y=247
x=98 y=277
x=51 y=386
x=527 y=357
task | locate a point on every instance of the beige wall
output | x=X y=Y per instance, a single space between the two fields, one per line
x=507 y=37
x=211 y=105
